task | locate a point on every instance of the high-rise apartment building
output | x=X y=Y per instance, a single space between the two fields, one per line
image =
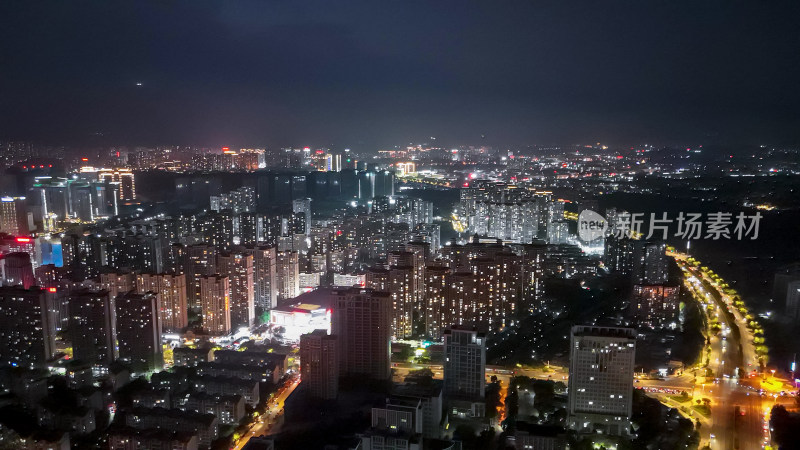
x=503 y=211
x=201 y=260
x=238 y=267
x=287 y=269
x=464 y=364
x=302 y=206
x=651 y=264
x=362 y=320
x=264 y=275
x=117 y=282
x=171 y=289
x=601 y=368
x=215 y=304
x=319 y=364
x=139 y=331
x=437 y=301
x=656 y=306
x=27 y=327
x=93 y=326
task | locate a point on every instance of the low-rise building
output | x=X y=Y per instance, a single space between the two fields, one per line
x=187 y=356
x=174 y=420
x=228 y=409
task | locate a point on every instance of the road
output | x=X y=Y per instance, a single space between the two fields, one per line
x=739 y=409
x=269 y=421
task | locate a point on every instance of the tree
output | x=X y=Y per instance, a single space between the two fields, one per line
x=492 y=399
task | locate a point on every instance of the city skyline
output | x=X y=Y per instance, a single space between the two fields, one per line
x=262 y=225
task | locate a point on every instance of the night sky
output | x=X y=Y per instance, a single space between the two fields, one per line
x=374 y=74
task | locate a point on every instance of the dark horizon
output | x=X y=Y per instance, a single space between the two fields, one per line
x=365 y=76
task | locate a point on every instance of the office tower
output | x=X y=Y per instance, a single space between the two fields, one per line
x=27 y=328
x=201 y=260
x=651 y=265
x=601 y=367
x=333 y=162
x=171 y=288
x=319 y=364
x=656 y=306
x=464 y=364
x=302 y=206
x=117 y=282
x=238 y=267
x=13 y=216
x=287 y=268
x=215 y=303
x=18 y=270
x=105 y=198
x=384 y=183
x=362 y=321
x=139 y=331
x=81 y=202
x=264 y=275
x=126 y=180
x=93 y=326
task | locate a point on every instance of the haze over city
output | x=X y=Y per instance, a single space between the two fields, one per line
x=367 y=75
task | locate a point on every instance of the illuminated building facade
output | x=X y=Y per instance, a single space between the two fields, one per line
x=656 y=306
x=238 y=267
x=126 y=180
x=601 y=368
x=171 y=288
x=13 y=216
x=27 y=328
x=215 y=304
